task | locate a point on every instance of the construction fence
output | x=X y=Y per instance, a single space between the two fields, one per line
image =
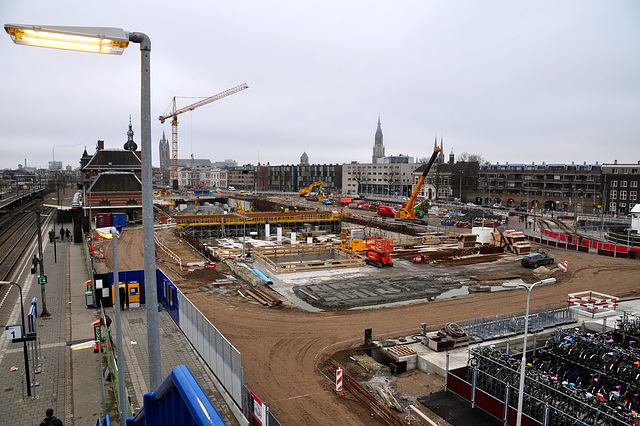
x=585 y=245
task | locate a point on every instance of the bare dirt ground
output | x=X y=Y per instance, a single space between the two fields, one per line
x=284 y=349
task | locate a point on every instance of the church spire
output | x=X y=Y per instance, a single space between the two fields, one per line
x=378 y=146
x=130 y=145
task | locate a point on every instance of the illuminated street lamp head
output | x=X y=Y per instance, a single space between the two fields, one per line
x=85 y=39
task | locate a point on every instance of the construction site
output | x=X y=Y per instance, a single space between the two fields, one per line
x=307 y=294
x=322 y=289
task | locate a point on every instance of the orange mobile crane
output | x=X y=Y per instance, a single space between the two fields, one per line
x=174 y=125
x=408 y=212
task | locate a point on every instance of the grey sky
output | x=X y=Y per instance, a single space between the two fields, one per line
x=554 y=81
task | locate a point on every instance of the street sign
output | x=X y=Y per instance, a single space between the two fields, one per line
x=13 y=331
x=42 y=279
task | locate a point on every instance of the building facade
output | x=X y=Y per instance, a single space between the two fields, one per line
x=556 y=187
x=202 y=178
x=620 y=184
x=378 y=178
x=242 y=177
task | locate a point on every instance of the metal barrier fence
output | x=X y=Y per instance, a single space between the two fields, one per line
x=503 y=326
x=219 y=354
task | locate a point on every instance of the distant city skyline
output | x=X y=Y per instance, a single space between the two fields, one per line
x=511 y=81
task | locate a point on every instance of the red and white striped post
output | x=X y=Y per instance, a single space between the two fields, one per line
x=339 y=382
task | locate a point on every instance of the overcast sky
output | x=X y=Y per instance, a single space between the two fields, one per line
x=513 y=81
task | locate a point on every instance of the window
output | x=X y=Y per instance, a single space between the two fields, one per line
x=623 y=183
x=633 y=195
x=634 y=184
x=634 y=171
x=613 y=194
x=614 y=171
x=623 y=195
x=614 y=183
x=612 y=207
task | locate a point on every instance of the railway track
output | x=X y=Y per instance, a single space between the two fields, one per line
x=382 y=412
x=18 y=231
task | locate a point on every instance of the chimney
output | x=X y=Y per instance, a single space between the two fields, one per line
x=615 y=161
x=100 y=145
x=596 y=163
x=585 y=163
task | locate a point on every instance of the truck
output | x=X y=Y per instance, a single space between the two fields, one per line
x=387 y=211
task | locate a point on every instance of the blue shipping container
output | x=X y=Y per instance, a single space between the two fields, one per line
x=119 y=219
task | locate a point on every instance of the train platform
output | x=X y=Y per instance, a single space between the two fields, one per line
x=69 y=380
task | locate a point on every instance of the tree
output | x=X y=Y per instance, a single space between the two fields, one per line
x=465 y=172
x=360 y=176
x=393 y=177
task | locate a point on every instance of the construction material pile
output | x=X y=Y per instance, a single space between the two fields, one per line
x=510 y=240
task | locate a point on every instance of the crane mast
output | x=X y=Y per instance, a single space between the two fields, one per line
x=174 y=124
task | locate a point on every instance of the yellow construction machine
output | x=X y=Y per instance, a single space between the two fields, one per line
x=240 y=209
x=407 y=211
x=305 y=191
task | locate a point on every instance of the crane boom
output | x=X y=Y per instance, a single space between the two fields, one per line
x=203 y=102
x=407 y=212
x=174 y=124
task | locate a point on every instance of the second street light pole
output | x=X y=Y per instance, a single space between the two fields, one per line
x=44 y=312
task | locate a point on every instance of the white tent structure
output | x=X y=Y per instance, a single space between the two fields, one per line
x=635 y=219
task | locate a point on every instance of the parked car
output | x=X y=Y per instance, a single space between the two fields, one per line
x=534 y=260
x=470 y=204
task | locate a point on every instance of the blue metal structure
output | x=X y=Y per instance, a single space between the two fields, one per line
x=178 y=401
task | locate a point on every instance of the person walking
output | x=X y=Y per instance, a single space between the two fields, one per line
x=51 y=419
x=61 y=233
x=68 y=234
x=34 y=262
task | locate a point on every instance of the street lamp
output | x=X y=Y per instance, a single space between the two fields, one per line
x=113 y=41
x=523 y=361
x=24 y=341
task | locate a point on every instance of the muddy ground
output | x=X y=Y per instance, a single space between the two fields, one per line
x=284 y=349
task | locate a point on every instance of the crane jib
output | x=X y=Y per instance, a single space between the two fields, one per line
x=431 y=160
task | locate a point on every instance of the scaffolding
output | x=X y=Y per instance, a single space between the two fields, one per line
x=237 y=225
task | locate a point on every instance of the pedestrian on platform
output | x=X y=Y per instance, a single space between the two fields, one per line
x=51 y=419
x=68 y=234
x=61 y=233
x=34 y=262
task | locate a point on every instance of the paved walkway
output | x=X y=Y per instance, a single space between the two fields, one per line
x=69 y=381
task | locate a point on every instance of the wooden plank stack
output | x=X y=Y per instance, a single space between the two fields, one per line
x=467 y=241
x=513 y=241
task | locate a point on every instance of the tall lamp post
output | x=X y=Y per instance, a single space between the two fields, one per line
x=523 y=361
x=24 y=341
x=113 y=41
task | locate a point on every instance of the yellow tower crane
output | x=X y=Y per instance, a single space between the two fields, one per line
x=174 y=125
